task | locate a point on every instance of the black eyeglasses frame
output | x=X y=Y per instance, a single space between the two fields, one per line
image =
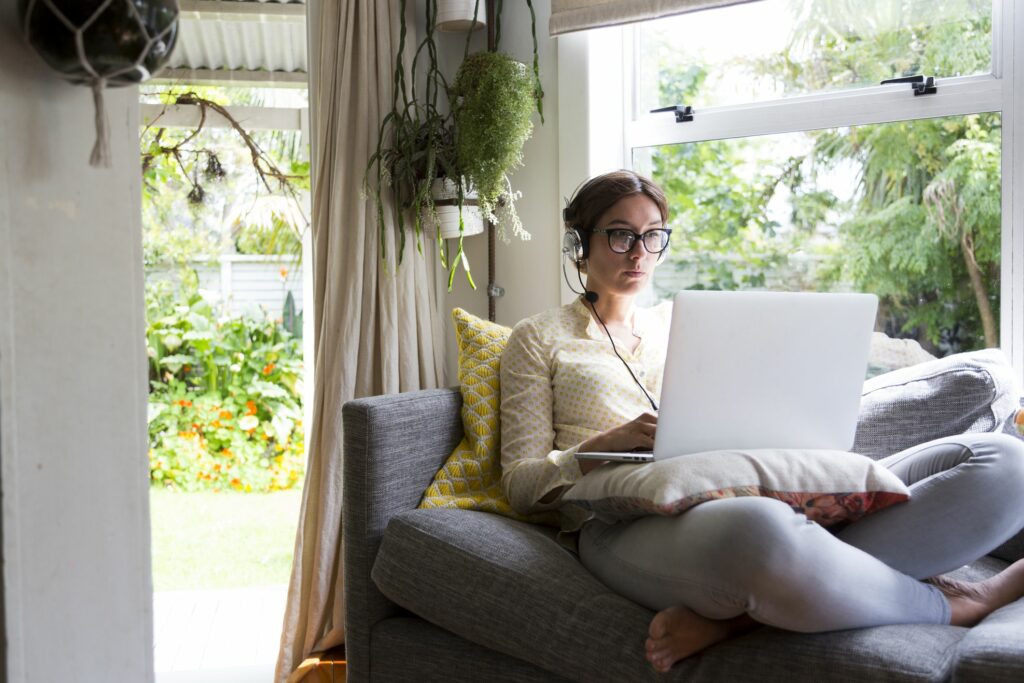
x=636 y=237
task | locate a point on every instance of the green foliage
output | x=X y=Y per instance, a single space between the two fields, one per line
x=922 y=226
x=225 y=396
x=419 y=141
x=201 y=192
x=493 y=99
x=290 y=319
x=415 y=146
x=903 y=242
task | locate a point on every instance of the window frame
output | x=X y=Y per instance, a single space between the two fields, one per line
x=599 y=64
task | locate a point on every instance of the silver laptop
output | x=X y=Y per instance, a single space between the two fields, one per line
x=761 y=370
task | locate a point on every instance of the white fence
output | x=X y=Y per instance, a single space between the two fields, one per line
x=245 y=284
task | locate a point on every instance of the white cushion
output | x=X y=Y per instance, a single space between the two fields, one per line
x=827 y=486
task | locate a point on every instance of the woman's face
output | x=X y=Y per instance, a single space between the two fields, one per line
x=624 y=274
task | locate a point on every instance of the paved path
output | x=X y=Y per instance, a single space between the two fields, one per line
x=227 y=636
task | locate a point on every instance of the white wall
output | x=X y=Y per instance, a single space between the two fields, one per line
x=527 y=270
x=73 y=381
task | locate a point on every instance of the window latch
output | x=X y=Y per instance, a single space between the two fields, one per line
x=682 y=112
x=922 y=85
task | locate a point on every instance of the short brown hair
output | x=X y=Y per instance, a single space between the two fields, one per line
x=600 y=193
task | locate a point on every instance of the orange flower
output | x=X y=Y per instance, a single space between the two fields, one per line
x=225 y=415
x=185 y=403
x=215 y=423
x=236 y=483
x=250 y=407
x=227 y=453
x=284 y=273
x=268 y=368
x=216 y=468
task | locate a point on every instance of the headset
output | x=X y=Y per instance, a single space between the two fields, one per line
x=573 y=243
x=576 y=246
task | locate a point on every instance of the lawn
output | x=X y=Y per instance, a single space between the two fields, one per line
x=222 y=540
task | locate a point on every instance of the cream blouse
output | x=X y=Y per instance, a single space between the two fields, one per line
x=561 y=383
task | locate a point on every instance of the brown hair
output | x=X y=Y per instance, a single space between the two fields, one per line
x=600 y=193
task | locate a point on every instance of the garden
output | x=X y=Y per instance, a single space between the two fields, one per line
x=225 y=414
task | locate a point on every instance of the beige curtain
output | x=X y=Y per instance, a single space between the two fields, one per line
x=579 y=15
x=376 y=324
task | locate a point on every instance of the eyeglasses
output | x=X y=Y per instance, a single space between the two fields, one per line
x=621 y=240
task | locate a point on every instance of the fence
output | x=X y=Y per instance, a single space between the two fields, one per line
x=244 y=284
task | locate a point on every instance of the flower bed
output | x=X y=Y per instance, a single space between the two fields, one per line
x=225 y=407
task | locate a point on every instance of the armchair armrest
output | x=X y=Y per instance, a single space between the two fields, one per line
x=393 y=446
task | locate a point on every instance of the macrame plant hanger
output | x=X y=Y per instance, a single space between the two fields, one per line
x=154 y=23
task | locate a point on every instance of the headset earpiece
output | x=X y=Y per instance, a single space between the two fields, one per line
x=574 y=246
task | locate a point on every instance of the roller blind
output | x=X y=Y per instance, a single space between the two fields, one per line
x=579 y=15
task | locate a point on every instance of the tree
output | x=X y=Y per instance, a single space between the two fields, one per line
x=206 y=189
x=921 y=229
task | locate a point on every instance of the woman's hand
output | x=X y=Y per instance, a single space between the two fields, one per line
x=637 y=434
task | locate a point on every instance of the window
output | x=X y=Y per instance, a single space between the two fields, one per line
x=801 y=171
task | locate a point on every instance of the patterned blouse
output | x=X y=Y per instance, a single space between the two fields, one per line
x=561 y=383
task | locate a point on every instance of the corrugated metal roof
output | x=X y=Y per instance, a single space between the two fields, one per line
x=233 y=40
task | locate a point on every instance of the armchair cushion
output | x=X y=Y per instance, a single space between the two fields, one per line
x=510 y=587
x=965 y=392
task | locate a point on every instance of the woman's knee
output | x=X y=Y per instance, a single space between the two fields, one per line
x=1002 y=460
x=750 y=537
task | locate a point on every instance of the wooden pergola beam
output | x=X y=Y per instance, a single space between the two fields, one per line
x=242 y=9
x=250 y=118
x=238 y=77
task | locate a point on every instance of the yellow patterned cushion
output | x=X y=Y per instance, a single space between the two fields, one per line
x=471 y=477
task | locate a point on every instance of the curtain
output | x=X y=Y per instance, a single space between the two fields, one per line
x=579 y=15
x=376 y=323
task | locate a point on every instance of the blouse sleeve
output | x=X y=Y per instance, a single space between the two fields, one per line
x=531 y=468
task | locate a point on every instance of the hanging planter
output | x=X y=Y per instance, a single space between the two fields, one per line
x=420 y=140
x=460 y=15
x=101 y=43
x=447 y=216
x=493 y=98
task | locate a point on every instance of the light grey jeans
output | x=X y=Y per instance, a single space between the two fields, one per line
x=757 y=556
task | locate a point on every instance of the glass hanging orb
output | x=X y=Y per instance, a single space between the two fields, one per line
x=101 y=43
x=115 y=42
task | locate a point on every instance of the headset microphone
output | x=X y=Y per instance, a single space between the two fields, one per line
x=574 y=246
x=591 y=298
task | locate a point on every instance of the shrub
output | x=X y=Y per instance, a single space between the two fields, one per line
x=225 y=407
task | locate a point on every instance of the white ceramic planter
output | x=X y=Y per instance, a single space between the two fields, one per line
x=457 y=15
x=447 y=225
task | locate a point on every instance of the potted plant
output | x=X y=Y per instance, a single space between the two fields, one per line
x=493 y=97
x=432 y=167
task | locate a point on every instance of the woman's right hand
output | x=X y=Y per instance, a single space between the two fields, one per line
x=637 y=434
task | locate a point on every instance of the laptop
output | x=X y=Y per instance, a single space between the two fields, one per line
x=750 y=370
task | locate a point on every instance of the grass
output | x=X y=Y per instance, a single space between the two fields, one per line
x=222 y=540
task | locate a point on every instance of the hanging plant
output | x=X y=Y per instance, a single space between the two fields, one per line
x=493 y=98
x=416 y=147
x=428 y=162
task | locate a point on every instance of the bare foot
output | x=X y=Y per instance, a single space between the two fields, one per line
x=677 y=632
x=972 y=602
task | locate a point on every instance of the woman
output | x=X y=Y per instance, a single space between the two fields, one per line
x=725 y=565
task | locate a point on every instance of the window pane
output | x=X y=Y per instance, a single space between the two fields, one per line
x=775 y=48
x=908 y=210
